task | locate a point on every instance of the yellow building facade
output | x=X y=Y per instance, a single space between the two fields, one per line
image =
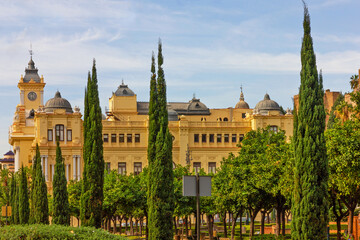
x=202 y=137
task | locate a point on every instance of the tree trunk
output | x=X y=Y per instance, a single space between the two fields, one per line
x=141 y=227
x=230 y=216
x=210 y=226
x=114 y=222
x=240 y=213
x=175 y=226
x=109 y=224
x=338 y=227
x=224 y=223
x=137 y=225
x=126 y=224
x=120 y=220
x=262 y=229
x=278 y=221
x=131 y=226
x=252 y=222
x=186 y=227
x=233 y=225
x=283 y=221
x=351 y=221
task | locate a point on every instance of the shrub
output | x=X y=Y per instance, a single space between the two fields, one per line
x=54 y=232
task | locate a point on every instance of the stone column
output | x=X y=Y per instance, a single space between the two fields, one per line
x=46 y=168
x=22 y=97
x=78 y=166
x=67 y=172
x=65 y=135
x=17 y=158
x=54 y=135
x=42 y=97
x=74 y=167
x=52 y=172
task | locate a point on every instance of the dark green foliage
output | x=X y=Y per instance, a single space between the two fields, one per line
x=61 y=202
x=332 y=115
x=24 y=209
x=93 y=174
x=54 y=232
x=310 y=201
x=39 y=195
x=14 y=200
x=161 y=187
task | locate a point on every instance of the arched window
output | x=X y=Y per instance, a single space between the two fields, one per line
x=226 y=119
x=273 y=128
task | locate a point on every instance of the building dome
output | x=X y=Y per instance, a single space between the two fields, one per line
x=196 y=105
x=31 y=72
x=124 y=90
x=242 y=104
x=266 y=105
x=58 y=103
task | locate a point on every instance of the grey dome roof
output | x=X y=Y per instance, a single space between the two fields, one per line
x=242 y=104
x=266 y=105
x=58 y=103
x=172 y=114
x=31 y=72
x=196 y=105
x=124 y=90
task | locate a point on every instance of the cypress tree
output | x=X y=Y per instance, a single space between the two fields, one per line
x=93 y=174
x=61 y=214
x=153 y=130
x=14 y=200
x=24 y=210
x=33 y=176
x=310 y=207
x=162 y=188
x=39 y=195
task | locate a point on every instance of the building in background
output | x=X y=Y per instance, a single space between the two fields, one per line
x=202 y=137
x=8 y=161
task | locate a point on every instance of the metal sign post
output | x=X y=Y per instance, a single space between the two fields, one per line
x=197 y=186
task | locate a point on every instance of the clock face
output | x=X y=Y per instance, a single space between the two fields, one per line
x=32 y=96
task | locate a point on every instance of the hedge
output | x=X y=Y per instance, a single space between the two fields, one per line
x=53 y=232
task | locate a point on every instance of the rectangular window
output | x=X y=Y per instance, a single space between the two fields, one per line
x=203 y=138
x=274 y=128
x=243 y=115
x=121 y=138
x=129 y=138
x=196 y=138
x=113 y=138
x=107 y=167
x=218 y=138
x=233 y=138
x=69 y=135
x=226 y=138
x=137 y=138
x=59 y=130
x=212 y=167
x=50 y=135
x=197 y=166
x=137 y=168
x=122 y=168
x=106 y=137
x=211 y=138
x=241 y=137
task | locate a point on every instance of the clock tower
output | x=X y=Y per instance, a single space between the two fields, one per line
x=22 y=130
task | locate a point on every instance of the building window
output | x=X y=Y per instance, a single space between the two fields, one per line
x=233 y=138
x=243 y=115
x=212 y=167
x=122 y=168
x=113 y=138
x=218 y=138
x=273 y=128
x=59 y=130
x=106 y=137
x=107 y=167
x=226 y=138
x=50 y=135
x=226 y=119
x=197 y=166
x=129 y=138
x=203 y=138
x=121 y=138
x=137 y=168
x=211 y=138
x=137 y=138
x=196 y=138
x=241 y=137
x=69 y=135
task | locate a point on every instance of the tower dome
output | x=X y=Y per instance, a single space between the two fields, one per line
x=242 y=104
x=58 y=103
x=31 y=72
x=124 y=90
x=266 y=105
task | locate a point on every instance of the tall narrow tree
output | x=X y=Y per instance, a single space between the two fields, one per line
x=24 y=210
x=93 y=174
x=310 y=207
x=39 y=195
x=14 y=199
x=61 y=213
x=153 y=130
x=162 y=187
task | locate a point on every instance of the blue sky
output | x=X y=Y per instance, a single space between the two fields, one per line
x=210 y=48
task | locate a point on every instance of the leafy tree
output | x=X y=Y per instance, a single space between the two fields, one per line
x=24 y=209
x=74 y=192
x=310 y=202
x=333 y=112
x=161 y=169
x=61 y=201
x=93 y=174
x=343 y=148
x=5 y=187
